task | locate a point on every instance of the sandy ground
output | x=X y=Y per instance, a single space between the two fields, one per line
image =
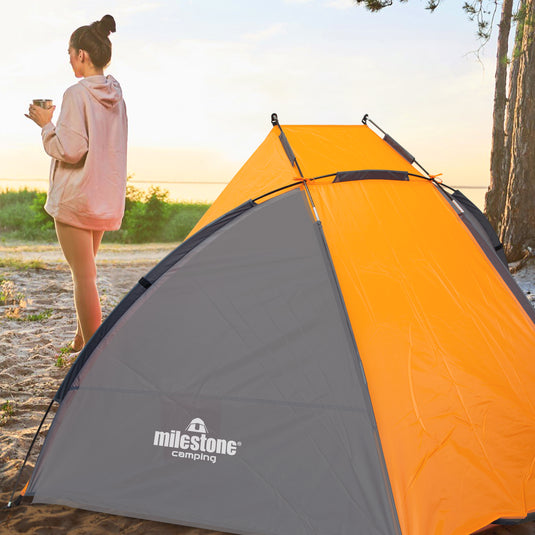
x=35 y=323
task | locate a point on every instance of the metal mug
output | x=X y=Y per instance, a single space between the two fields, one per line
x=43 y=103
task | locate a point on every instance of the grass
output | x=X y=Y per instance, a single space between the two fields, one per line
x=9 y=296
x=23 y=265
x=62 y=359
x=65 y=350
x=149 y=217
x=13 y=301
x=7 y=408
x=60 y=362
x=7 y=411
x=41 y=316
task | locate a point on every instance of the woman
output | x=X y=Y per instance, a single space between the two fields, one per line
x=88 y=171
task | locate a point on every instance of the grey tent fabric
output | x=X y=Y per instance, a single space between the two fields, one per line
x=229 y=396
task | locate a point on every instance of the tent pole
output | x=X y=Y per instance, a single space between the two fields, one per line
x=285 y=143
x=394 y=144
x=311 y=201
x=293 y=159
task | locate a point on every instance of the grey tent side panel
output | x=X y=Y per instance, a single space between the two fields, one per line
x=138 y=290
x=227 y=396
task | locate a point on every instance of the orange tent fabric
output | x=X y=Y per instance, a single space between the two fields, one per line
x=446 y=347
x=447 y=351
x=321 y=150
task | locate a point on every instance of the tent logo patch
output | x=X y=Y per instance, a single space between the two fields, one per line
x=197 y=426
x=194 y=444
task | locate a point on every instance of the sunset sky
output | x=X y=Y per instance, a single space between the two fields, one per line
x=202 y=77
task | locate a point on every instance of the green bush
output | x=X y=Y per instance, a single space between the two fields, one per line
x=9 y=197
x=22 y=216
x=144 y=219
x=41 y=218
x=149 y=217
x=181 y=221
x=15 y=216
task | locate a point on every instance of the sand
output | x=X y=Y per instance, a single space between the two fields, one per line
x=35 y=324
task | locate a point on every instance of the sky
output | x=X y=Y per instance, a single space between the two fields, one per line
x=201 y=78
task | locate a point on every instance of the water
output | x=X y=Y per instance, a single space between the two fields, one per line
x=178 y=191
x=203 y=191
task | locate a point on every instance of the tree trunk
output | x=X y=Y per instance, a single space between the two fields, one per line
x=518 y=227
x=496 y=195
x=510 y=115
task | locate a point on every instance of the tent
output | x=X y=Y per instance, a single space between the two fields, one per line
x=337 y=348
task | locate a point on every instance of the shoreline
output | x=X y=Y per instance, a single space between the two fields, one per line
x=50 y=253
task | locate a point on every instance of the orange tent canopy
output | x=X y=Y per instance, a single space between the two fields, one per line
x=446 y=347
x=320 y=150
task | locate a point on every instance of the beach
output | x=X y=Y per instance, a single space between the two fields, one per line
x=37 y=321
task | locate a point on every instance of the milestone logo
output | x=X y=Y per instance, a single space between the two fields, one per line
x=194 y=444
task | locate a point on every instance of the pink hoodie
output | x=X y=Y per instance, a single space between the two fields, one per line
x=88 y=148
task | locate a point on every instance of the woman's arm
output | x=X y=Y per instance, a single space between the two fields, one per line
x=68 y=140
x=63 y=143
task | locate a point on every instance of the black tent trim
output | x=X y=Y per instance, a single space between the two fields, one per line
x=467 y=204
x=503 y=271
x=371 y=174
x=484 y=234
x=285 y=143
x=398 y=148
x=394 y=144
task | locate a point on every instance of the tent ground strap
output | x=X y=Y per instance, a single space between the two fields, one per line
x=11 y=503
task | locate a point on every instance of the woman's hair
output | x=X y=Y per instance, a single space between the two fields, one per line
x=94 y=40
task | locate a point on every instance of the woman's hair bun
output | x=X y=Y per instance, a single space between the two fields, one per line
x=106 y=25
x=94 y=40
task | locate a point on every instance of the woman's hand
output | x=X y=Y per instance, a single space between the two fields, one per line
x=39 y=115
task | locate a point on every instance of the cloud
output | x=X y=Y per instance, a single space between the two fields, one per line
x=340 y=4
x=266 y=33
x=130 y=9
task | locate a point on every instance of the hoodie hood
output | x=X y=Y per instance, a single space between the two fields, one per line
x=104 y=89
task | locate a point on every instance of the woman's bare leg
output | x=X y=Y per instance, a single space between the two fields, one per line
x=78 y=342
x=80 y=247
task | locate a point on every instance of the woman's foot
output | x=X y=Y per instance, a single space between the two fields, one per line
x=77 y=344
